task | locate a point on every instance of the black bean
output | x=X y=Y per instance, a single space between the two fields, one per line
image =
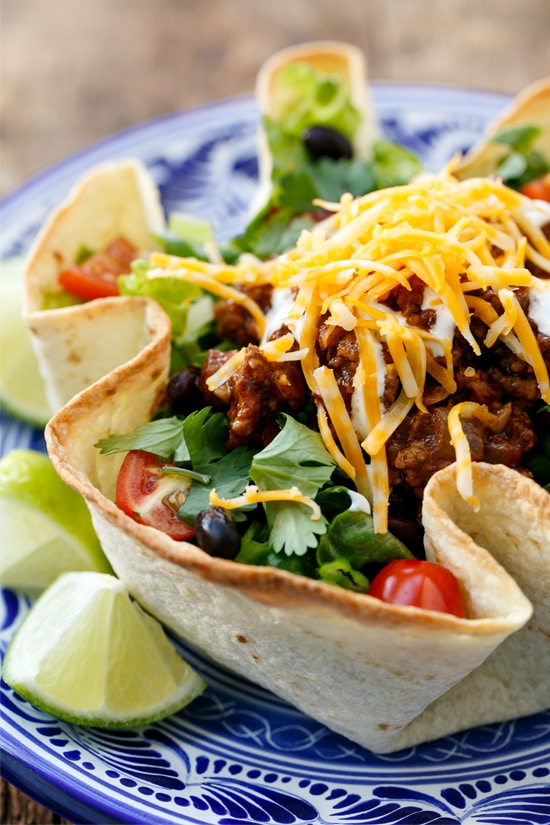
x=216 y=533
x=323 y=142
x=182 y=392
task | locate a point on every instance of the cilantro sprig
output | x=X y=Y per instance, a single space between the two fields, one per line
x=295 y=457
x=163 y=437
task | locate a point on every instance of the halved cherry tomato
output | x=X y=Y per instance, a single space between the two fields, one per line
x=419 y=584
x=152 y=497
x=538 y=189
x=97 y=276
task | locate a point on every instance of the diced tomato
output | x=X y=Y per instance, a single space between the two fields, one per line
x=418 y=584
x=538 y=189
x=152 y=497
x=97 y=276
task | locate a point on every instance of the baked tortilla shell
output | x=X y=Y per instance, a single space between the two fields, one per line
x=364 y=668
x=513 y=524
x=345 y=61
x=530 y=108
x=76 y=345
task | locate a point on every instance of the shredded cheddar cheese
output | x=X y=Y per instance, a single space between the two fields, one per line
x=468 y=409
x=252 y=495
x=457 y=238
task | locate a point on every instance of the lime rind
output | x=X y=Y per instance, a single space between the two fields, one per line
x=89 y=655
x=46 y=526
x=36 y=550
x=190 y=690
x=22 y=393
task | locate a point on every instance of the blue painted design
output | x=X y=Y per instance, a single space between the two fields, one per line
x=239 y=754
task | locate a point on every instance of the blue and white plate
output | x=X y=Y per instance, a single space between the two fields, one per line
x=238 y=754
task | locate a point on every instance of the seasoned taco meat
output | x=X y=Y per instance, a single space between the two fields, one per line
x=421 y=445
x=255 y=394
x=259 y=389
x=234 y=322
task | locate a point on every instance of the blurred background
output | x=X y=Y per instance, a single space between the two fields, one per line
x=75 y=71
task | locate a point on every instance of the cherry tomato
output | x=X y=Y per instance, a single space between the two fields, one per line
x=97 y=276
x=418 y=584
x=538 y=189
x=152 y=497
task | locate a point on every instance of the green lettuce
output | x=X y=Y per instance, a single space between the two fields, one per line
x=316 y=98
x=521 y=163
x=176 y=296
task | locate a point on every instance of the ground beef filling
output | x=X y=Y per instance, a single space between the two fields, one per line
x=260 y=390
x=254 y=395
x=234 y=322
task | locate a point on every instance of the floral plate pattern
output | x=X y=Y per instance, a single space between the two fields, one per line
x=238 y=754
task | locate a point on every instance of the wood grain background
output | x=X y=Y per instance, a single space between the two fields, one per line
x=75 y=71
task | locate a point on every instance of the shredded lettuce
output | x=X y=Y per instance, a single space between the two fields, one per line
x=393 y=165
x=189 y=308
x=316 y=98
x=175 y=296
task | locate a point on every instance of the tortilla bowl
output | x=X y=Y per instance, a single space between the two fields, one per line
x=368 y=670
x=531 y=107
x=71 y=345
x=341 y=60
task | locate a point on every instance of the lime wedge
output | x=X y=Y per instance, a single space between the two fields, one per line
x=21 y=388
x=88 y=654
x=46 y=526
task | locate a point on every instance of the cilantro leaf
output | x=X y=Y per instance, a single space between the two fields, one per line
x=335 y=177
x=295 y=457
x=293 y=531
x=256 y=549
x=227 y=475
x=270 y=233
x=206 y=435
x=163 y=437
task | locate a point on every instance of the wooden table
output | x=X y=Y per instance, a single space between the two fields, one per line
x=74 y=71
